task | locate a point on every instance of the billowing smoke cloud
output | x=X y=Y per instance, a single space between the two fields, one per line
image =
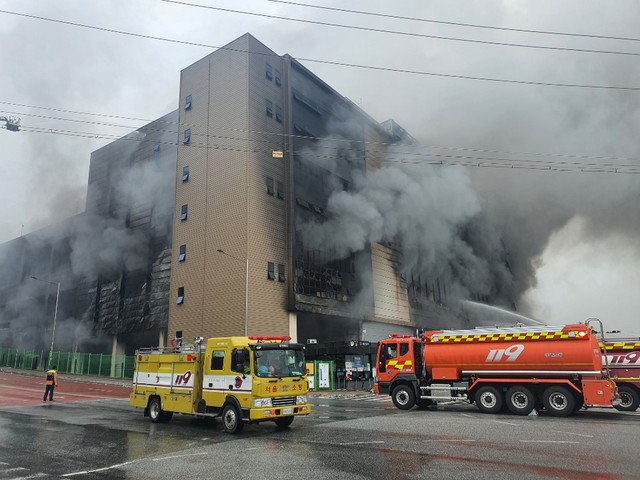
x=113 y=237
x=432 y=213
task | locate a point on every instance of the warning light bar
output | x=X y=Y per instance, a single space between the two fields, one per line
x=263 y=338
x=396 y=335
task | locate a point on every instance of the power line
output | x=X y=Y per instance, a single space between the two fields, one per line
x=443 y=160
x=395 y=148
x=334 y=63
x=398 y=32
x=457 y=24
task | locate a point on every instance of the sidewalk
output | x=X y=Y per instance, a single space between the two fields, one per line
x=125 y=382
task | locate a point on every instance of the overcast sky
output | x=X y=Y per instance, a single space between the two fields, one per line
x=579 y=230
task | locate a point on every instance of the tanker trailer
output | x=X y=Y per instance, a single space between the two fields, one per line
x=521 y=368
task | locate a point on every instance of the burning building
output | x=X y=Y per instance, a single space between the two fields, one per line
x=267 y=204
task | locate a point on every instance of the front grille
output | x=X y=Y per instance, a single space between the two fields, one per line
x=283 y=401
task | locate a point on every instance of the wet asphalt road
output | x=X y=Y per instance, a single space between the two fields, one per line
x=347 y=437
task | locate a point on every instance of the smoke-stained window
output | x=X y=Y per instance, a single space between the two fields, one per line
x=278 y=78
x=180 y=299
x=183 y=253
x=271 y=275
x=280 y=190
x=269 y=108
x=281 y=275
x=185 y=173
x=268 y=71
x=270 y=185
x=187 y=103
x=278 y=113
x=184 y=212
x=187 y=136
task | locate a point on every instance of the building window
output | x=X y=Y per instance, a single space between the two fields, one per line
x=279 y=113
x=184 y=212
x=281 y=275
x=187 y=103
x=280 y=190
x=187 y=136
x=269 y=72
x=270 y=185
x=183 y=253
x=269 y=109
x=271 y=275
x=185 y=173
x=278 y=78
x=180 y=299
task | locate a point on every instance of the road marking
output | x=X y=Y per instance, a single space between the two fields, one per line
x=324 y=417
x=571 y=433
x=360 y=443
x=35 y=475
x=450 y=440
x=506 y=423
x=467 y=415
x=177 y=456
x=547 y=441
x=84 y=472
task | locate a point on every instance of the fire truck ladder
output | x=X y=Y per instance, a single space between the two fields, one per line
x=601 y=344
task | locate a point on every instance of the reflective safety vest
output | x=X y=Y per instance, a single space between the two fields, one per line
x=52 y=377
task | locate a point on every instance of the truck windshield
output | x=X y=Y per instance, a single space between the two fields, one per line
x=279 y=363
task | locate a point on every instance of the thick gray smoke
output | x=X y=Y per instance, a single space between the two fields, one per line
x=101 y=243
x=435 y=216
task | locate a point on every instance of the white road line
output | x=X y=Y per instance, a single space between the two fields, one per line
x=450 y=440
x=467 y=415
x=506 y=423
x=35 y=475
x=547 y=441
x=360 y=443
x=324 y=417
x=84 y=472
x=571 y=433
x=178 y=456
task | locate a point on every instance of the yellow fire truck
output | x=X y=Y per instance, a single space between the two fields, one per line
x=240 y=379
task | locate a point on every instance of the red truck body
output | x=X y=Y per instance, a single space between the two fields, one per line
x=559 y=369
x=623 y=357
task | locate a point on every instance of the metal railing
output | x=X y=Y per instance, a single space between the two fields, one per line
x=94 y=364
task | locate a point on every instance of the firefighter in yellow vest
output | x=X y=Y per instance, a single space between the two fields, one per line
x=51 y=383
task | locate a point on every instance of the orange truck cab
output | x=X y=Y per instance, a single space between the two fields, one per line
x=558 y=368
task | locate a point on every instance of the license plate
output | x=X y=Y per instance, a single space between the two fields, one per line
x=287 y=411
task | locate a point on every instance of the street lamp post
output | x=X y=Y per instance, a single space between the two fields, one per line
x=246 y=289
x=55 y=314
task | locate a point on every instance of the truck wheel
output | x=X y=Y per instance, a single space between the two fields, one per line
x=403 y=397
x=559 y=401
x=630 y=399
x=284 y=422
x=488 y=399
x=231 y=420
x=520 y=400
x=156 y=414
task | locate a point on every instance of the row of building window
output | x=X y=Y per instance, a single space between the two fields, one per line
x=271 y=274
x=279 y=192
x=269 y=74
x=269 y=111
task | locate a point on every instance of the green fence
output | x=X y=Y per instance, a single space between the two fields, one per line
x=95 y=364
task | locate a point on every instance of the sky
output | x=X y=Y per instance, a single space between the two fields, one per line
x=544 y=124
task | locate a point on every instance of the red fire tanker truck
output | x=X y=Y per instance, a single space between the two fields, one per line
x=623 y=357
x=559 y=369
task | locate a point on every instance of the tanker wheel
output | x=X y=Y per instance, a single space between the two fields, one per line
x=489 y=399
x=559 y=401
x=231 y=420
x=630 y=399
x=403 y=397
x=520 y=400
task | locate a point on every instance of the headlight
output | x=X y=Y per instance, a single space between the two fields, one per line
x=261 y=402
x=301 y=399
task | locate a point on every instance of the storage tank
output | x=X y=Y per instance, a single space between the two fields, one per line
x=539 y=350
